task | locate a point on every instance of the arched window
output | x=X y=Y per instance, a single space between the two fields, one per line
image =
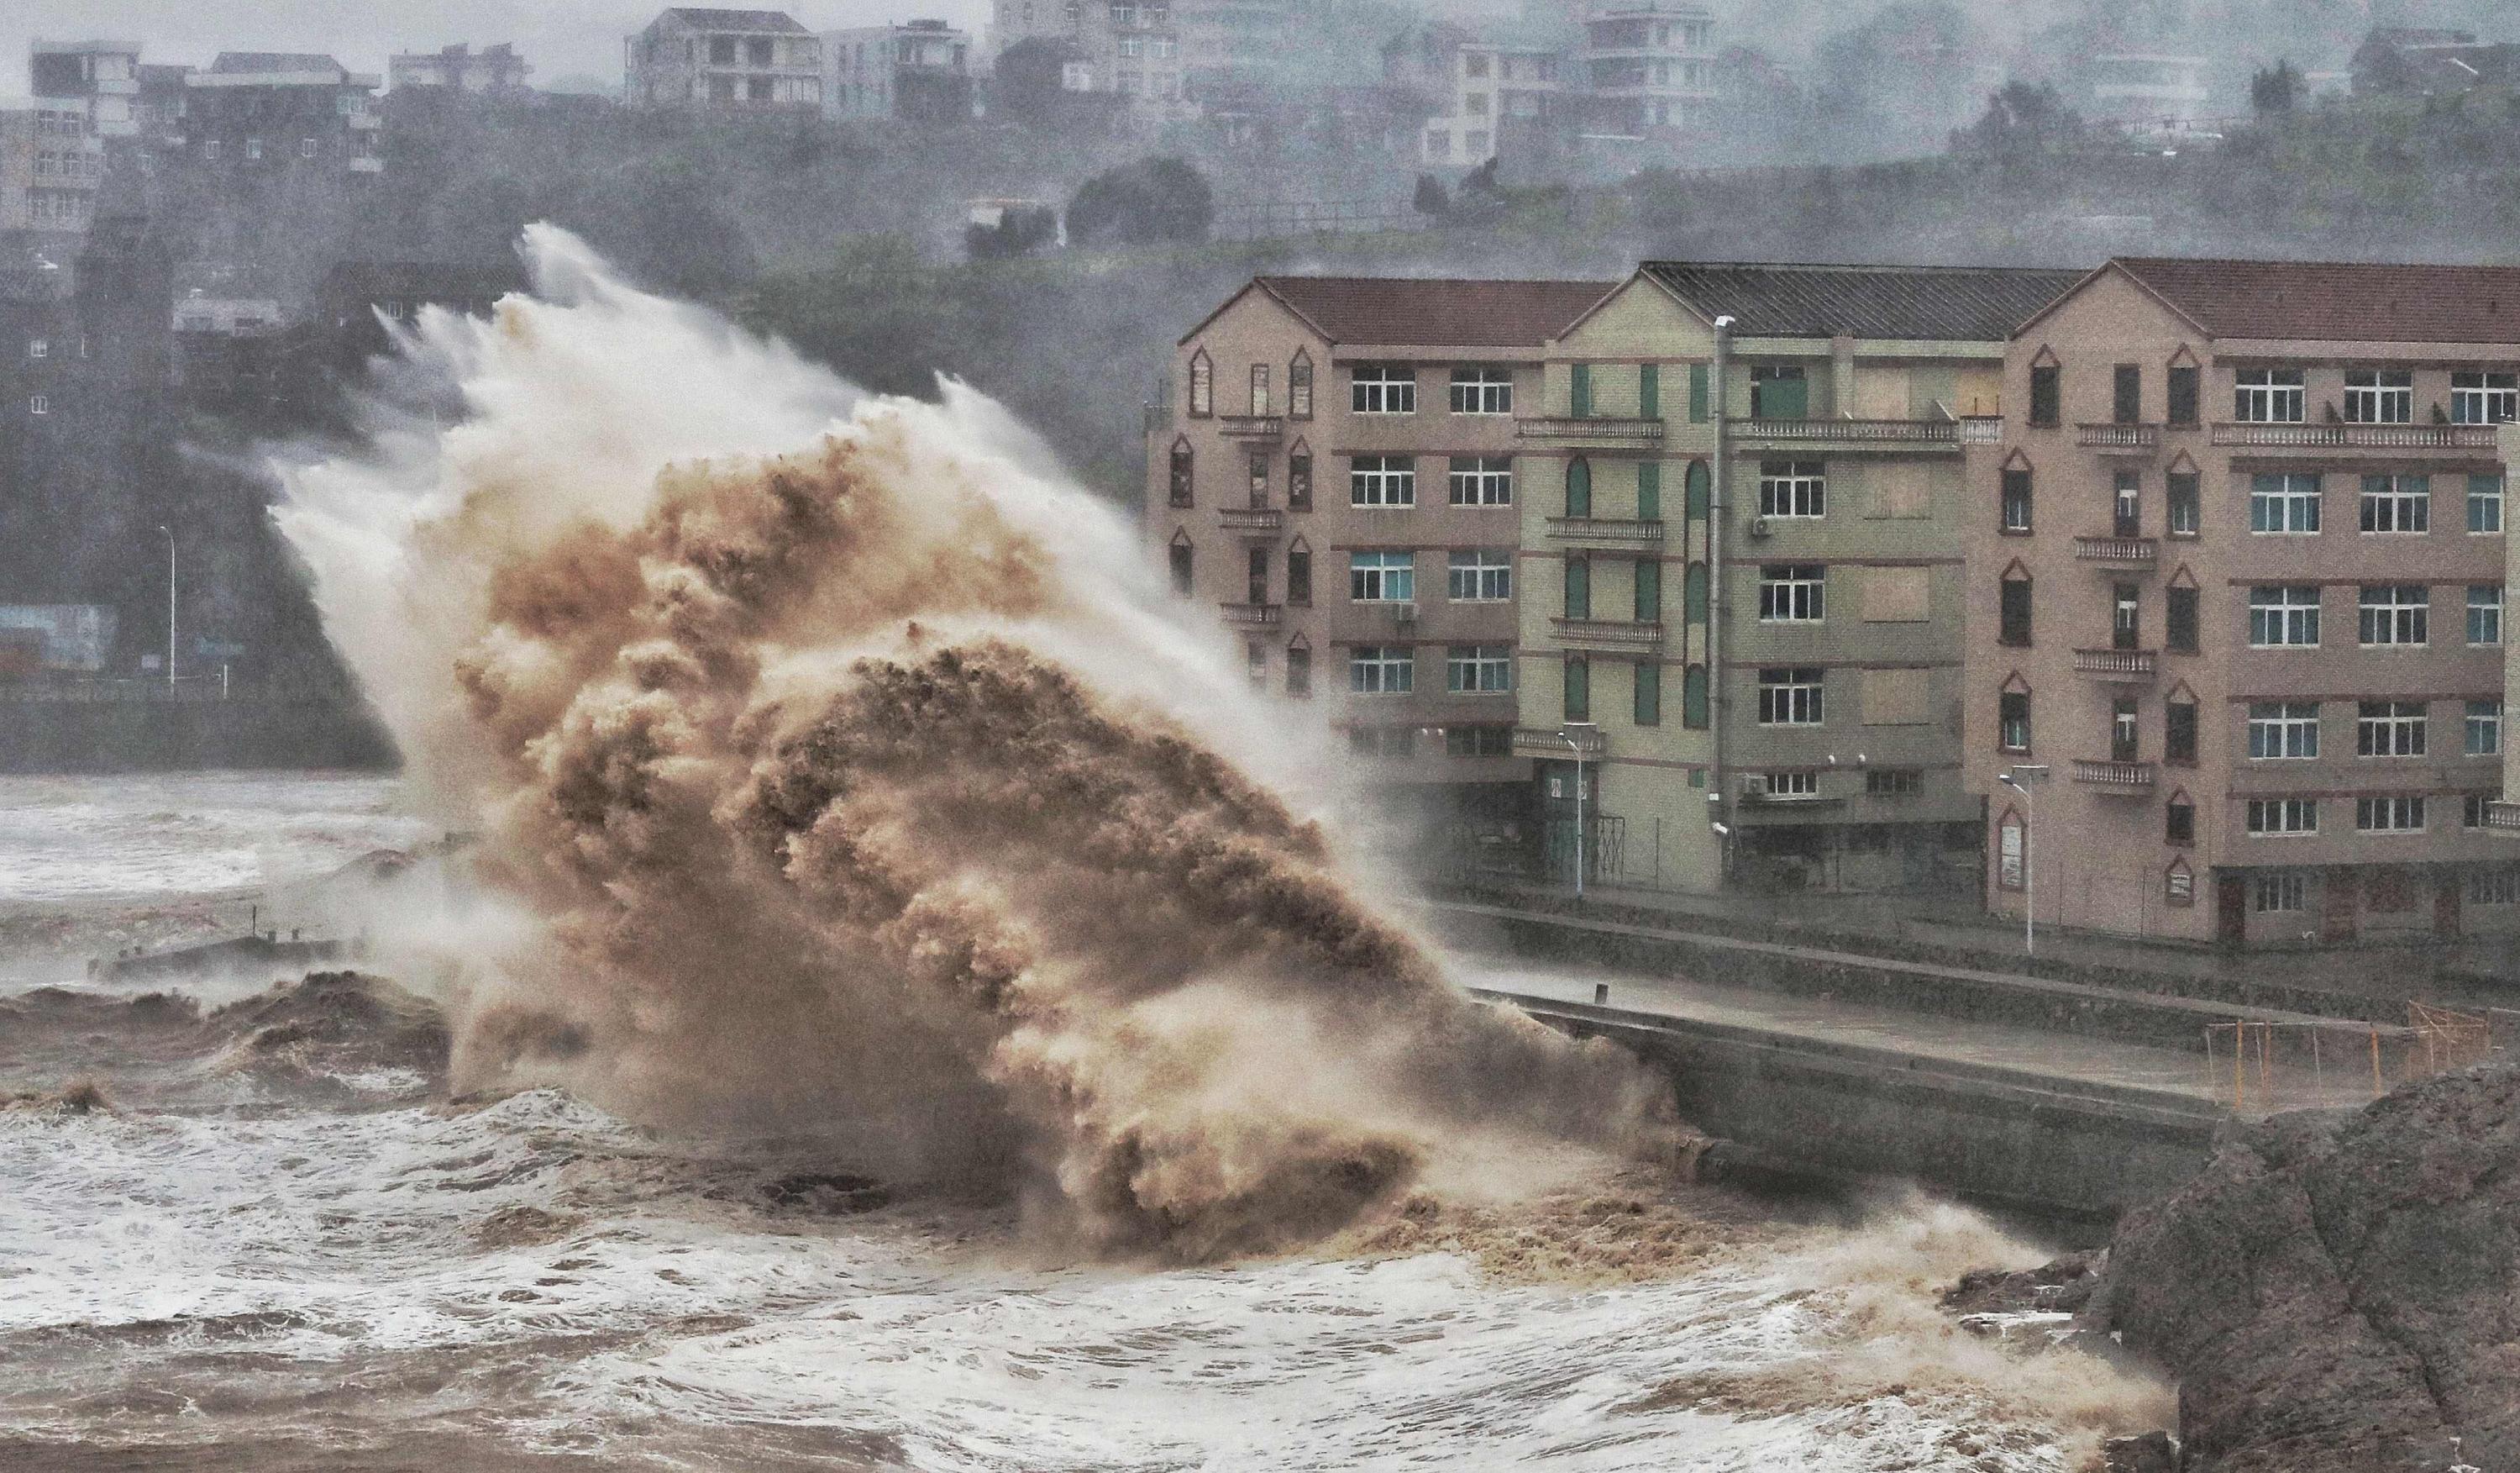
x=1202 y=386
x=1299 y=386
x=1579 y=487
x=2179 y=884
x=1702 y=496
x=1693 y=592
x=1693 y=698
x=1181 y=471
x=1299 y=667
x=2012 y=606
x=1180 y=565
x=1300 y=475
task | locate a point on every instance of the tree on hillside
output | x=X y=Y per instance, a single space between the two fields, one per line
x=2023 y=118
x=1430 y=198
x=2276 y=90
x=1149 y=202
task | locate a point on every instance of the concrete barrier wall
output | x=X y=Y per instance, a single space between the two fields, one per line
x=160 y=736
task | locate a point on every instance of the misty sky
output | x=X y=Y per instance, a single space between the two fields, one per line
x=560 y=37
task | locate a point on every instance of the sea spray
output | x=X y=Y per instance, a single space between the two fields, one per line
x=849 y=775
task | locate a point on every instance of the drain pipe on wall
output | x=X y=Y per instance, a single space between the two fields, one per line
x=1718 y=515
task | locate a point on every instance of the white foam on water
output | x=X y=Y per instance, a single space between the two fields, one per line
x=151 y=837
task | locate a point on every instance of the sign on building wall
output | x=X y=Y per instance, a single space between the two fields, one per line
x=2008 y=862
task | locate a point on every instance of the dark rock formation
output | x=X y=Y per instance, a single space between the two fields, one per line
x=2062 y=1287
x=2337 y=1293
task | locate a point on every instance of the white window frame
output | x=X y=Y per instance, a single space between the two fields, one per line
x=2394 y=814
x=39 y=348
x=1382 y=578
x=1382 y=388
x=2394 y=615
x=2481 y=729
x=39 y=403
x=1480 y=576
x=1481 y=388
x=1481 y=480
x=2473 y=810
x=2397 y=505
x=1478 y=669
x=2284 y=731
x=1383 y=481
x=2269 y=396
x=1793 y=783
x=1793 y=696
x=2493 y=885
x=1381 y=670
x=2285 y=616
x=2484 y=397
x=2283 y=893
x=2288 y=507
x=2484 y=614
x=1793 y=489
x=1793 y=593
x=2281 y=817
x=2389 y=729
x=2379 y=397
x=2485 y=505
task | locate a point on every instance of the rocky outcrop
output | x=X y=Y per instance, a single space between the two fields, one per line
x=2340 y=1293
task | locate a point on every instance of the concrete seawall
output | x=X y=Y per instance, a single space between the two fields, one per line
x=158 y=736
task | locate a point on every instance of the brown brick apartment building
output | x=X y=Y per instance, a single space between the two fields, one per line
x=1335 y=479
x=2235 y=571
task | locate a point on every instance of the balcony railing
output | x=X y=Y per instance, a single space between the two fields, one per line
x=1982 y=430
x=1251 y=425
x=1549 y=741
x=1566 y=427
x=1607 y=634
x=1837 y=432
x=2116 y=664
x=2117 y=777
x=2502 y=816
x=2118 y=552
x=2305 y=437
x=2118 y=437
x=1596 y=529
x=1248 y=613
x=1257 y=518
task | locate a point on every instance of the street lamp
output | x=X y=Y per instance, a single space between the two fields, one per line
x=171 y=610
x=2019 y=780
x=1567 y=733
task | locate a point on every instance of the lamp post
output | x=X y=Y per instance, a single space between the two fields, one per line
x=1567 y=733
x=2019 y=780
x=171 y=610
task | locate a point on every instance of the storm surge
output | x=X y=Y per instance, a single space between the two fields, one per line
x=836 y=767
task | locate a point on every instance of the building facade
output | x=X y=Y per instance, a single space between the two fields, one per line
x=1739 y=556
x=1489 y=97
x=2236 y=576
x=494 y=69
x=918 y=72
x=1648 y=68
x=723 y=63
x=1130 y=49
x=258 y=111
x=1336 y=481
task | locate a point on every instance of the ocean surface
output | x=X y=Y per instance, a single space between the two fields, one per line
x=254 y=1234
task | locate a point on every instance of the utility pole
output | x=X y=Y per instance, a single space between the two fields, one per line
x=2019 y=780
x=1571 y=733
x=171 y=610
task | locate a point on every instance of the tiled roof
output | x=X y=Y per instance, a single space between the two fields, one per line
x=1918 y=303
x=2338 y=300
x=231 y=62
x=1436 y=312
x=736 y=20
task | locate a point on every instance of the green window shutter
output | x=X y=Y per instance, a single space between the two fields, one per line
x=1579 y=487
x=1579 y=689
x=1579 y=589
x=1697 y=393
x=1700 y=492
x=1693 y=592
x=1648 y=693
x=1648 y=592
x=1693 y=698
x=1648 y=391
x=1579 y=390
x=1650 y=491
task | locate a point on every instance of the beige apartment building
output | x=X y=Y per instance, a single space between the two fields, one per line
x=723 y=63
x=1744 y=489
x=1335 y=481
x=2236 y=584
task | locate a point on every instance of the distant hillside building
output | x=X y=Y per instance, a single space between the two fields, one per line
x=1130 y=49
x=273 y=110
x=2154 y=91
x=919 y=72
x=1488 y=94
x=96 y=81
x=54 y=159
x=1648 y=68
x=493 y=68
x=724 y=61
x=2409 y=59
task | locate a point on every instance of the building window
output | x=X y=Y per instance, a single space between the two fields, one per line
x=1202 y=386
x=1482 y=390
x=1382 y=578
x=1180 y=569
x=1693 y=698
x=2266 y=395
x=2483 y=398
x=1181 y=473
x=1481 y=576
x=1259 y=469
x=2179 y=733
x=1260 y=389
x=2484 y=613
x=1790 y=697
x=39 y=404
x=2179 y=823
x=2126 y=621
x=2281 y=730
x=2396 y=614
x=2484 y=731
x=1478 y=669
x=1299 y=386
x=2397 y=503
x=1299 y=481
x=1647 y=581
x=1381 y=670
x=39 y=348
x=2126 y=507
x=1382 y=388
x=2497 y=886
x=1792 y=488
x=2016 y=499
x=2185 y=504
x=2475 y=809
x=1299 y=670
x=306 y=147
x=2183 y=395
x=2281 y=817
x=2283 y=613
x=1578 y=701
x=1803 y=783
x=2280 y=894
x=2178 y=634
x=2126 y=397
x=1576 y=579
x=2484 y=503
x=2389 y=728
x=1383 y=480
x=1792 y=592
x=1299 y=577
x=2046 y=395
x=2014 y=624
x=2379 y=397
x=1482 y=481
x=1648 y=709
x=2400 y=814
x=1255 y=665
x=1478 y=741
x=2122 y=730
x=253 y=148
x=1893 y=782
x=2012 y=720
x=1779 y=391
x=2283 y=504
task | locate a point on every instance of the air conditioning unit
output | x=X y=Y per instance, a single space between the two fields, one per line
x=1754 y=787
x=1759 y=526
x=1404 y=613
